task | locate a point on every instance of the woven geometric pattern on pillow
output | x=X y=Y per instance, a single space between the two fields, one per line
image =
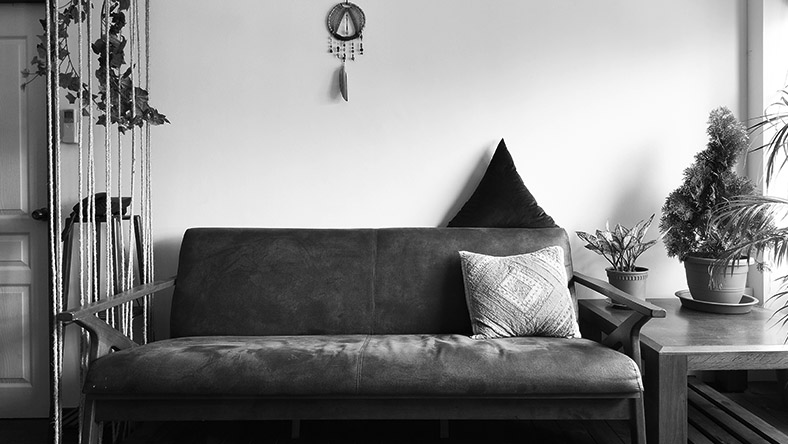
x=522 y=295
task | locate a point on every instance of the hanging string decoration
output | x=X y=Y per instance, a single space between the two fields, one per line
x=103 y=70
x=345 y=24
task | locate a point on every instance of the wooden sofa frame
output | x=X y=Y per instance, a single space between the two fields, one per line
x=104 y=339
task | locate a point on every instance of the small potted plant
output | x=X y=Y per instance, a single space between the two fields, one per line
x=622 y=246
x=691 y=232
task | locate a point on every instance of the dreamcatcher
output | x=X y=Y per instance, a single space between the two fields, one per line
x=345 y=23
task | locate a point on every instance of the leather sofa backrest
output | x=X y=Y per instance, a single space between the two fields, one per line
x=268 y=281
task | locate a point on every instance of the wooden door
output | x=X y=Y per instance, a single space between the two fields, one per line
x=24 y=319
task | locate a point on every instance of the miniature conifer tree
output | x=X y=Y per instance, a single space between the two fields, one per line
x=687 y=221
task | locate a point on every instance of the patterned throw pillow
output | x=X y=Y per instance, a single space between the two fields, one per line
x=522 y=295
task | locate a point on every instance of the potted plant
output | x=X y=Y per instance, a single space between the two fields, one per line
x=692 y=232
x=758 y=213
x=621 y=247
x=753 y=216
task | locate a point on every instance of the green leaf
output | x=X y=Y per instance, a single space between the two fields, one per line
x=594 y=249
x=115 y=84
x=642 y=227
x=605 y=241
x=585 y=237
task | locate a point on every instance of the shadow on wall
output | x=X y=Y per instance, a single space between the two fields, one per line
x=470 y=186
x=166 y=258
x=630 y=208
x=631 y=205
x=635 y=203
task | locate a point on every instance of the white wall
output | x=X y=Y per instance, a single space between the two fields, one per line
x=602 y=104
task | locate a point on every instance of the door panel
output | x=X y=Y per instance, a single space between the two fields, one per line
x=13 y=138
x=24 y=330
x=15 y=336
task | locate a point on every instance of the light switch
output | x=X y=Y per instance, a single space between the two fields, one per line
x=68 y=125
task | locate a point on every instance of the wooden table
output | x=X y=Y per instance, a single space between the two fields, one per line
x=688 y=340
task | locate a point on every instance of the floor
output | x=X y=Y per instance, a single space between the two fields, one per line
x=761 y=398
x=345 y=432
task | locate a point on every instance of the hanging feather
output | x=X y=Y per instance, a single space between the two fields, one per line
x=343 y=82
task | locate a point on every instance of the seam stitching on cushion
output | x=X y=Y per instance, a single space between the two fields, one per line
x=640 y=376
x=360 y=362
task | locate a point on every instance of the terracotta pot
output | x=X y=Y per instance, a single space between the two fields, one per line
x=632 y=282
x=724 y=286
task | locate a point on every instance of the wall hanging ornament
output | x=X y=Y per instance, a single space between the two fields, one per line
x=345 y=23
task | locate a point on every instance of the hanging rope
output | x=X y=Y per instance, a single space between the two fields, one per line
x=55 y=395
x=124 y=173
x=93 y=228
x=80 y=168
x=148 y=221
x=85 y=231
x=110 y=232
x=55 y=247
x=129 y=281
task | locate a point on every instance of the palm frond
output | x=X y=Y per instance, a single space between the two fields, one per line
x=779 y=318
x=755 y=212
x=773 y=244
x=753 y=220
x=750 y=211
x=775 y=118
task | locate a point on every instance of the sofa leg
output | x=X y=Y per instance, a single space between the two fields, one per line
x=638 y=422
x=444 y=428
x=295 y=428
x=91 y=429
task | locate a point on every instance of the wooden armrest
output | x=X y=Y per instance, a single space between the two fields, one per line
x=625 y=335
x=111 y=301
x=643 y=307
x=104 y=338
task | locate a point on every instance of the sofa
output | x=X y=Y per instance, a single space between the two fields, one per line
x=302 y=324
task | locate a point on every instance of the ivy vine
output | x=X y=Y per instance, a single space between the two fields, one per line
x=127 y=104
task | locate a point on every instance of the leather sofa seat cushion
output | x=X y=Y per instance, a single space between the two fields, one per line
x=365 y=365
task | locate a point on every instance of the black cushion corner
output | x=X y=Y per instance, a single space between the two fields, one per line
x=501 y=200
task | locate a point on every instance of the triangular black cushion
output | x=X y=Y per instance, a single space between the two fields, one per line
x=502 y=200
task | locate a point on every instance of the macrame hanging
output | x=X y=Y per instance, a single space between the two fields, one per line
x=107 y=80
x=345 y=24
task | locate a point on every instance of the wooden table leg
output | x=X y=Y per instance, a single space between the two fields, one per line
x=782 y=385
x=665 y=382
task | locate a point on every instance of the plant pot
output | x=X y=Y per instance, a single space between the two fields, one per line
x=720 y=285
x=632 y=282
